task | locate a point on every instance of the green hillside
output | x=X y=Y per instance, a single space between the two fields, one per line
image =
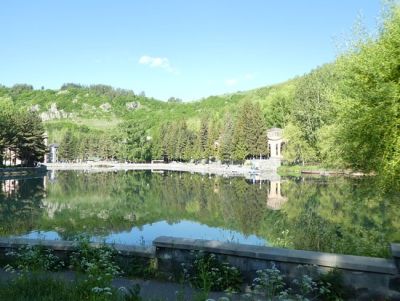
x=102 y=108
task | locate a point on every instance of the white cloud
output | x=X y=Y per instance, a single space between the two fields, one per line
x=157 y=62
x=231 y=82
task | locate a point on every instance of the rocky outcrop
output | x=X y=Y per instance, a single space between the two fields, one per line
x=106 y=107
x=34 y=108
x=54 y=113
x=130 y=106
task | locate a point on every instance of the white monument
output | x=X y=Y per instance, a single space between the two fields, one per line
x=275 y=142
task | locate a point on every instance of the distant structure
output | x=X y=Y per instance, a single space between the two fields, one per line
x=275 y=143
x=53 y=150
x=46 y=142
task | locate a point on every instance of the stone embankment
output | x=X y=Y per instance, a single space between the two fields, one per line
x=259 y=169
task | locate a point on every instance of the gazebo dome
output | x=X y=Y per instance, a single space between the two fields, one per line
x=274 y=134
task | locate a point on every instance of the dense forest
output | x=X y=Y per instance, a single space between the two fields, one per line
x=345 y=114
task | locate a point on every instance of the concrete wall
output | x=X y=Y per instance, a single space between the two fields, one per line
x=360 y=273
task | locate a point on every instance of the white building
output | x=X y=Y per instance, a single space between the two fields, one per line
x=275 y=143
x=53 y=149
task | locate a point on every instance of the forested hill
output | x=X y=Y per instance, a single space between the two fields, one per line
x=100 y=115
x=100 y=121
x=104 y=106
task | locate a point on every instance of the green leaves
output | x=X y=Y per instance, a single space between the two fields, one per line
x=369 y=103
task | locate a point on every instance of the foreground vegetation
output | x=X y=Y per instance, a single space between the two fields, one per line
x=97 y=267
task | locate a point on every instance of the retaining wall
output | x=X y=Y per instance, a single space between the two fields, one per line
x=360 y=273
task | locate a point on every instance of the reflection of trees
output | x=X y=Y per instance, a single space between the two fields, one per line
x=333 y=215
x=20 y=210
x=100 y=203
x=340 y=215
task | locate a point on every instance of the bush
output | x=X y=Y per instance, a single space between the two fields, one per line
x=97 y=264
x=34 y=258
x=207 y=273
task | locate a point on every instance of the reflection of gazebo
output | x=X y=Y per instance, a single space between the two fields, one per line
x=275 y=200
x=275 y=142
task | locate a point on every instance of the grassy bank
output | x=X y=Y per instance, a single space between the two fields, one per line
x=45 y=287
x=295 y=170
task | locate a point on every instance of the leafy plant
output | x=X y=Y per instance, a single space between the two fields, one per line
x=208 y=273
x=338 y=291
x=34 y=258
x=269 y=282
x=98 y=265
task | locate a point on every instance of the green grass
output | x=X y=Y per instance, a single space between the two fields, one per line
x=100 y=124
x=41 y=287
x=296 y=170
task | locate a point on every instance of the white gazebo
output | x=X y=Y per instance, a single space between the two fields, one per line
x=275 y=142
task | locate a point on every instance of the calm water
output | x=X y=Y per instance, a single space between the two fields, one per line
x=340 y=215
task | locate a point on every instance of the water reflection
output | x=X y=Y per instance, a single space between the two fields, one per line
x=275 y=199
x=145 y=234
x=326 y=214
x=9 y=187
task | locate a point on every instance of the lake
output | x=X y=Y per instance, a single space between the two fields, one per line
x=330 y=214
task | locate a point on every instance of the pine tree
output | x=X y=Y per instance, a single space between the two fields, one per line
x=203 y=138
x=250 y=134
x=226 y=139
x=29 y=140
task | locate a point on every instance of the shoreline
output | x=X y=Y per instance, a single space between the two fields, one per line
x=213 y=168
x=10 y=173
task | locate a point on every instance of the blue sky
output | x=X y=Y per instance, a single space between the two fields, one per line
x=185 y=49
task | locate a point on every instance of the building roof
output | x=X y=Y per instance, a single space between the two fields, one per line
x=274 y=134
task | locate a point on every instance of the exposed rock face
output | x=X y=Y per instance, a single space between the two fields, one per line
x=132 y=105
x=106 y=107
x=54 y=113
x=34 y=108
x=62 y=92
x=87 y=107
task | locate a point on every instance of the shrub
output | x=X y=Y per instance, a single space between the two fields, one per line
x=208 y=273
x=34 y=258
x=98 y=265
